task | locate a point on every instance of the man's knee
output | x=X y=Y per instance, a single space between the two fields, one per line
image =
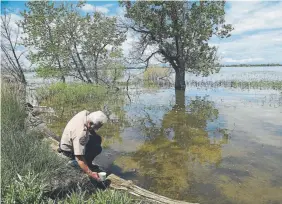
x=99 y=149
x=93 y=152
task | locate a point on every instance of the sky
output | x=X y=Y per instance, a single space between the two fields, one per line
x=256 y=38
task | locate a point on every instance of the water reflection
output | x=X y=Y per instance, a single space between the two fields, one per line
x=172 y=149
x=181 y=150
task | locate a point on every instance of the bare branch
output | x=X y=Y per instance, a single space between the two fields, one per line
x=9 y=50
x=21 y=54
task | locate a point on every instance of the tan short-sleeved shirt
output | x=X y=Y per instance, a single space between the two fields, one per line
x=75 y=136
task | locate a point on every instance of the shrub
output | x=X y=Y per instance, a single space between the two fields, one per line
x=12 y=112
x=23 y=152
x=62 y=93
x=25 y=189
x=155 y=73
x=156 y=76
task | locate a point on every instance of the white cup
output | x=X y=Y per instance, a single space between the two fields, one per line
x=102 y=175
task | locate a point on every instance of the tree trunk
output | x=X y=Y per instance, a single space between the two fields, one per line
x=180 y=78
x=179 y=99
x=60 y=68
x=82 y=64
x=20 y=72
x=63 y=79
x=23 y=80
x=96 y=70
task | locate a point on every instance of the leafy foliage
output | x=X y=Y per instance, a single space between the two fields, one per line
x=72 y=44
x=41 y=26
x=48 y=72
x=179 y=31
x=70 y=94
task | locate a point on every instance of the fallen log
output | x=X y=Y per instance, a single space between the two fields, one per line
x=121 y=184
x=115 y=182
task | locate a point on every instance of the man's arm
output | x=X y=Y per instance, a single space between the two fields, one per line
x=83 y=165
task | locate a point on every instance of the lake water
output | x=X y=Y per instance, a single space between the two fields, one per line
x=205 y=145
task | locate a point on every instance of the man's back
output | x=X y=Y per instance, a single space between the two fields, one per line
x=74 y=128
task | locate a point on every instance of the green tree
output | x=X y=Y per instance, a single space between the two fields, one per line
x=113 y=67
x=40 y=23
x=68 y=43
x=179 y=32
x=103 y=39
x=72 y=32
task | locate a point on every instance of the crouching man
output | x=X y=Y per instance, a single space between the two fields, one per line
x=81 y=143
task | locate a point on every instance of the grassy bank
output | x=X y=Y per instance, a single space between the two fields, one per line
x=69 y=99
x=28 y=165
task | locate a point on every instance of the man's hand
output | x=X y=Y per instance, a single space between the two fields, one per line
x=83 y=165
x=95 y=176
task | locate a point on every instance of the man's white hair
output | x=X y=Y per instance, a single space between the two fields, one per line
x=97 y=116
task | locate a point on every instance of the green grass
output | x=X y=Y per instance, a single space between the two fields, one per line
x=100 y=197
x=153 y=75
x=28 y=165
x=69 y=99
x=25 y=189
x=71 y=94
x=22 y=152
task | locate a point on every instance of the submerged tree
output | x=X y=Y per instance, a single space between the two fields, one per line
x=179 y=32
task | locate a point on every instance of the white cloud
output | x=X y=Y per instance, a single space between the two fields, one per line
x=254 y=15
x=127 y=45
x=15 y=30
x=92 y=8
x=261 y=47
x=130 y=43
x=16 y=35
x=88 y=8
x=257 y=37
x=120 y=11
x=247 y=60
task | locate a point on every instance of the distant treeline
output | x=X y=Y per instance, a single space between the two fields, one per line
x=251 y=65
x=235 y=65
